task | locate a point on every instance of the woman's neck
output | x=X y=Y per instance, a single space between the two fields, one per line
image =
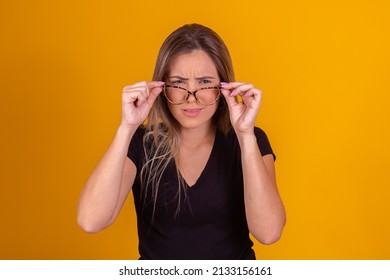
x=194 y=137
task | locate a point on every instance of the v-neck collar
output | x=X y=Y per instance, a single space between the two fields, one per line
x=203 y=174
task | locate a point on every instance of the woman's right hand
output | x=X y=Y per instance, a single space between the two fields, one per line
x=137 y=100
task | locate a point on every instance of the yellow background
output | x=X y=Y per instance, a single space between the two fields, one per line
x=323 y=67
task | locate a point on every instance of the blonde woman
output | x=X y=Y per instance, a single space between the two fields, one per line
x=202 y=175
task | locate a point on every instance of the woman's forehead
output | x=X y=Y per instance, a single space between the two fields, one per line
x=196 y=64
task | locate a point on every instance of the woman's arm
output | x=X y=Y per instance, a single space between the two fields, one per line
x=263 y=206
x=108 y=185
x=110 y=182
x=264 y=209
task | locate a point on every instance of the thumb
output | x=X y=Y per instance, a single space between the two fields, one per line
x=153 y=95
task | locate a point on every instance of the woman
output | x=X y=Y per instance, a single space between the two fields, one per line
x=202 y=175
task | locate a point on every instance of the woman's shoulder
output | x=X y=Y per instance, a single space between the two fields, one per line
x=261 y=137
x=260 y=133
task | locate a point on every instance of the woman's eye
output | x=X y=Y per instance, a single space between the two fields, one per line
x=177 y=82
x=205 y=81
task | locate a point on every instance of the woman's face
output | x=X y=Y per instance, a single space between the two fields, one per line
x=193 y=71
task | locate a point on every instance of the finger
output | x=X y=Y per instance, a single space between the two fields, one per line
x=153 y=95
x=137 y=91
x=154 y=84
x=253 y=92
x=140 y=92
x=141 y=98
x=231 y=85
x=231 y=100
x=237 y=88
x=136 y=85
x=242 y=89
x=133 y=96
x=145 y=85
x=252 y=98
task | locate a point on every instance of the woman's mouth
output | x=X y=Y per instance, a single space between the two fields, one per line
x=192 y=112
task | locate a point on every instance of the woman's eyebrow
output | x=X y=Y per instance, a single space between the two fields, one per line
x=205 y=77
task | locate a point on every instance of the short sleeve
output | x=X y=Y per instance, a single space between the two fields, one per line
x=263 y=143
x=134 y=152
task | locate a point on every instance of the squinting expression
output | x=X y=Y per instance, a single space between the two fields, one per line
x=193 y=71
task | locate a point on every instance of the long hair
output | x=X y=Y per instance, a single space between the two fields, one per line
x=161 y=140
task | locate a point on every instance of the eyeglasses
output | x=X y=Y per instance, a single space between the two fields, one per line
x=205 y=96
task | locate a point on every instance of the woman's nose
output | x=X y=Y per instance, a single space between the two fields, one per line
x=191 y=98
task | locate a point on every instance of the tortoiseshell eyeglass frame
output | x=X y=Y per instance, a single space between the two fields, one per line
x=191 y=93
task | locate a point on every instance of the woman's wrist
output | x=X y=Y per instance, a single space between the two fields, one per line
x=246 y=140
x=126 y=131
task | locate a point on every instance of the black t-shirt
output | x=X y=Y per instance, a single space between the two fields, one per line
x=211 y=223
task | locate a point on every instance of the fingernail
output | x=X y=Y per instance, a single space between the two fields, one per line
x=161 y=83
x=223 y=84
x=233 y=93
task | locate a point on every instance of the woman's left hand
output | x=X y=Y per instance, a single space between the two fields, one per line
x=242 y=113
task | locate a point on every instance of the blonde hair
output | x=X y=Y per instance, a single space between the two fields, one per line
x=161 y=140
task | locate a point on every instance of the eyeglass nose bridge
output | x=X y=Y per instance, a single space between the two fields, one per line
x=193 y=93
